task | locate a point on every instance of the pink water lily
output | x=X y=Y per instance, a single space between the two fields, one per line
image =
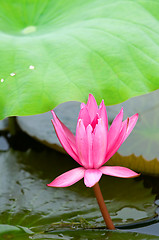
x=93 y=144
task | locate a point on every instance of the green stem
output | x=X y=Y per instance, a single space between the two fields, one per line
x=102 y=206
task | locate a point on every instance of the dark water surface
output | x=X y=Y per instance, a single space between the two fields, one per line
x=38 y=212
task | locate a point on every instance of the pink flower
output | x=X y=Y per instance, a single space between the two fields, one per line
x=93 y=144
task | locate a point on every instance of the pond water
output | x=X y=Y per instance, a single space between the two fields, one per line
x=31 y=210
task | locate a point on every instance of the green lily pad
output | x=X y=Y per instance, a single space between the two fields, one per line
x=8 y=228
x=26 y=201
x=57 y=51
x=14 y=236
x=80 y=235
x=91 y=235
x=12 y=232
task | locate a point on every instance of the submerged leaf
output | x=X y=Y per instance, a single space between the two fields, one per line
x=141 y=150
x=68 y=113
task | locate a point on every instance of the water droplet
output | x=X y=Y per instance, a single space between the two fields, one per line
x=29 y=29
x=12 y=74
x=31 y=67
x=2 y=80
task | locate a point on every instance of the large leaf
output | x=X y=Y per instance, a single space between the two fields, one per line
x=59 y=50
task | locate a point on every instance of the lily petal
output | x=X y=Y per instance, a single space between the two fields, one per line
x=99 y=144
x=67 y=132
x=95 y=121
x=92 y=107
x=115 y=129
x=84 y=115
x=118 y=171
x=117 y=144
x=132 y=122
x=91 y=177
x=66 y=137
x=103 y=114
x=83 y=105
x=88 y=147
x=68 y=178
x=81 y=142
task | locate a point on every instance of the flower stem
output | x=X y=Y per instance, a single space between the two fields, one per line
x=102 y=206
